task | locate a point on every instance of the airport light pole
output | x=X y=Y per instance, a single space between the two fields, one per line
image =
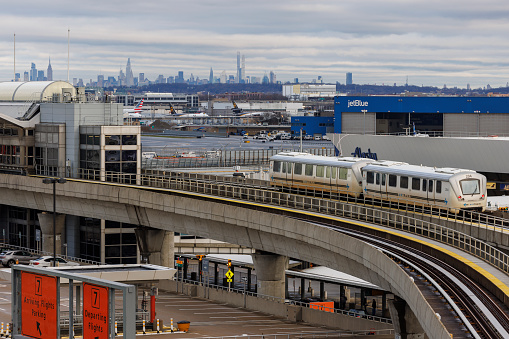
x=54 y=181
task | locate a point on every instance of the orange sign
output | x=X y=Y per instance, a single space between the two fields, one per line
x=327 y=306
x=38 y=305
x=95 y=311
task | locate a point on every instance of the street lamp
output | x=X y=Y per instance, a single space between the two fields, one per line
x=54 y=181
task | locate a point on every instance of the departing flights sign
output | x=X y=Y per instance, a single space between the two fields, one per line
x=38 y=305
x=95 y=311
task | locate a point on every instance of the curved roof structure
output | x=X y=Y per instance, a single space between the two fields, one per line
x=34 y=91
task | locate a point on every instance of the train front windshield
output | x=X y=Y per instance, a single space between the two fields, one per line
x=470 y=187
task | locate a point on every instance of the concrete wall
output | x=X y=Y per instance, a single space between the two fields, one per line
x=286 y=311
x=216 y=219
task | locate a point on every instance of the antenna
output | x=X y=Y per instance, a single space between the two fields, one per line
x=14 y=56
x=68 y=40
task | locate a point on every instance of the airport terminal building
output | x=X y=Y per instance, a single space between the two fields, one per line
x=460 y=132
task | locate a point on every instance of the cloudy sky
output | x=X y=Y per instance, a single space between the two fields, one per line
x=431 y=42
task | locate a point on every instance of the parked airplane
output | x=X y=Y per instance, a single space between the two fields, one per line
x=187 y=115
x=237 y=111
x=136 y=111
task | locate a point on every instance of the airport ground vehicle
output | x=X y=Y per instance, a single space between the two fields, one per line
x=10 y=258
x=47 y=261
x=381 y=180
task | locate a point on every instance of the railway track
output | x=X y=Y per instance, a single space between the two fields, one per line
x=487 y=318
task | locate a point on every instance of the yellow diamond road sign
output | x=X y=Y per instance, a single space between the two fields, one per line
x=229 y=274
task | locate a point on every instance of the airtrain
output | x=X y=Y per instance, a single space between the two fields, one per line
x=380 y=179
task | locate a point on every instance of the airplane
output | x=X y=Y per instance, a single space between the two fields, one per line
x=187 y=115
x=236 y=109
x=134 y=112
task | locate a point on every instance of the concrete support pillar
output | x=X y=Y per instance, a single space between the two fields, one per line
x=156 y=246
x=216 y=274
x=270 y=273
x=46 y=223
x=302 y=288
x=249 y=278
x=406 y=324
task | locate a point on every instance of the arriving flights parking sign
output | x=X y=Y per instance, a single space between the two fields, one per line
x=38 y=305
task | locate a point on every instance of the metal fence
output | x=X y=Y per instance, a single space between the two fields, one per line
x=397 y=216
x=289 y=301
x=411 y=222
x=220 y=158
x=43 y=253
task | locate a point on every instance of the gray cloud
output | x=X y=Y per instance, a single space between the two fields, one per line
x=432 y=42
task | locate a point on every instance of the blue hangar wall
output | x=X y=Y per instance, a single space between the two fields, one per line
x=401 y=104
x=311 y=125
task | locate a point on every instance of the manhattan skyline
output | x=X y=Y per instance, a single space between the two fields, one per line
x=430 y=42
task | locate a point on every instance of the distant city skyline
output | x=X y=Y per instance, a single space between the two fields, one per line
x=427 y=42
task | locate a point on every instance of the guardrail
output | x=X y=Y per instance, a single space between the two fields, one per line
x=119 y=317
x=287 y=301
x=43 y=253
x=172 y=158
x=338 y=334
x=412 y=222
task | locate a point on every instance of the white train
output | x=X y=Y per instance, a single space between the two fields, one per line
x=384 y=180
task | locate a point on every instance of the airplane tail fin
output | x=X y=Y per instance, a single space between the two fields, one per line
x=138 y=107
x=172 y=110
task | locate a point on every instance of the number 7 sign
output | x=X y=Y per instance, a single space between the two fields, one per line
x=95 y=311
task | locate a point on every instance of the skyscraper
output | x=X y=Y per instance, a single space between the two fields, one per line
x=272 y=77
x=141 y=77
x=33 y=73
x=211 y=76
x=49 y=72
x=129 y=78
x=100 y=81
x=349 y=80
x=238 y=68
x=243 y=69
x=40 y=75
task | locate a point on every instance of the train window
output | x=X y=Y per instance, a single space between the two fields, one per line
x=470 y=186
x=377 y=178
x=283 y=167
x=276 y=167
x=403 y=182
x=319 y=171
x=298 y=169
x=424 y=184
x=327 y=171
x=309 y=170
x=438 y=187
x=370 y=177
x=289 y=167
x=343 y=173
x=392 y=180
x=383 y=179
x=430 y=186
x=416 y=184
